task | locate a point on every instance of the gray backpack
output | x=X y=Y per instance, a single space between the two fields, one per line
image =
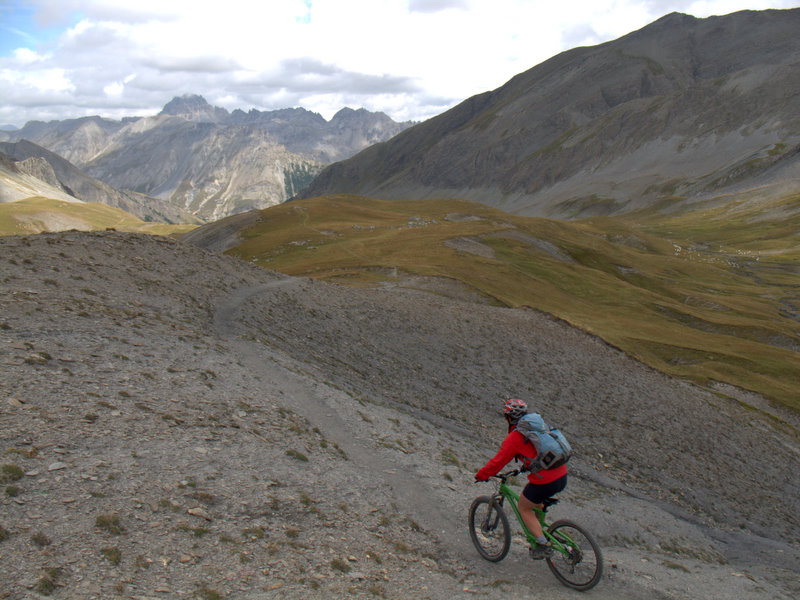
x=552 y=447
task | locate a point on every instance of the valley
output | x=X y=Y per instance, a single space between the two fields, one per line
x=695 y=296
x=188 y=425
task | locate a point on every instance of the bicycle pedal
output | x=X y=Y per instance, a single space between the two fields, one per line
x=540 y=552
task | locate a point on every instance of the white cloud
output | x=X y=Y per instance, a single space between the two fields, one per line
x=429 y=6
x=409 y=58
x=26 y=56
x=114 y=89
x=41 y=80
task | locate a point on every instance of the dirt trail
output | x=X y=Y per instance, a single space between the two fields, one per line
x=446 y=521
x=315 y=402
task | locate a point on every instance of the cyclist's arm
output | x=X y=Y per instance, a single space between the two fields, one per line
x=508 y=450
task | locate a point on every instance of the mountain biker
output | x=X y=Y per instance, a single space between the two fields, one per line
x=542 y=485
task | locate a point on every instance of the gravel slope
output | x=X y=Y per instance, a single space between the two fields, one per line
x=186 y=425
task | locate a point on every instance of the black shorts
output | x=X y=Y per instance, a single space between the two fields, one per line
x=539 y=493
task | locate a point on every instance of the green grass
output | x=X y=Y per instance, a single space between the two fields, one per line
x=109 y=523
x=37 y=214
x=112 y=555
x=711 y=295
x=297 y=455
x=10 y=472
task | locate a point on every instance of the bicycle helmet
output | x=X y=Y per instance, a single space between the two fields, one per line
x=515 y=409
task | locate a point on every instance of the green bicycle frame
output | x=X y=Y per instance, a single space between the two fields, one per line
x=513 y=498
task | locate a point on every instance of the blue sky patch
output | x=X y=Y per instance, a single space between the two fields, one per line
x=19 y=29
x=306 y=18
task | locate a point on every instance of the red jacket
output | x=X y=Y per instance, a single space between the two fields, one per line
x=515 y=445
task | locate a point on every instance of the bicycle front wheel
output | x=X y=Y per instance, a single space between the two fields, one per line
x=489 y=529
x=576 y=561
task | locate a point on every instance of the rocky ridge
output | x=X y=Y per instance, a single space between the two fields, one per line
x=681 y=109
x=51 y=176
x=179 y=424
x=206 y=161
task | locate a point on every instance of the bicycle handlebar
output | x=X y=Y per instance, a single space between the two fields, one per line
x=503 y=476
x=507 y=474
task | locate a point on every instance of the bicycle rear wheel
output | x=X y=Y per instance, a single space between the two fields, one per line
x=489 y=529
x=576 y=561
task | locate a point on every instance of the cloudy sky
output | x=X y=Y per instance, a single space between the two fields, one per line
x=411 y=59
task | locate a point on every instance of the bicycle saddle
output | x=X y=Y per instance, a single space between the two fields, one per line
x=548 y=502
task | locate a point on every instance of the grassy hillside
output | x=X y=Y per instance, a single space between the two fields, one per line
x=37 y=214
x=713 y=297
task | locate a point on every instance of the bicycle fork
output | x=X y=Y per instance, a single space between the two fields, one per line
x=493 y=514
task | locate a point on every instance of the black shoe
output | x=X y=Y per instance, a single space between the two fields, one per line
x=541 y=551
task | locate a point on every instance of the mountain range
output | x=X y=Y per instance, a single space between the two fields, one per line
x=202 y=160
x=680 y=110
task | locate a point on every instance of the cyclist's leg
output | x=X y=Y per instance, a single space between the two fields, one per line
x=529 y=517
x=534 y=496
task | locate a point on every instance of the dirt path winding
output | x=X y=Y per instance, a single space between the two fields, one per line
x=418 y=497
x=316 y=402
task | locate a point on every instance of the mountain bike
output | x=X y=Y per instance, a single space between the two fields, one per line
x=576 y=561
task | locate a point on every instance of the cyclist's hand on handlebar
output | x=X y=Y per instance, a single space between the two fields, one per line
x=508 y=474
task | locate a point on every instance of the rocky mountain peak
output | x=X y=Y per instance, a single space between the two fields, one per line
x=348 y=112
x=260 y=158
x=347 y=117
x=280 y=117
x=194 y=107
